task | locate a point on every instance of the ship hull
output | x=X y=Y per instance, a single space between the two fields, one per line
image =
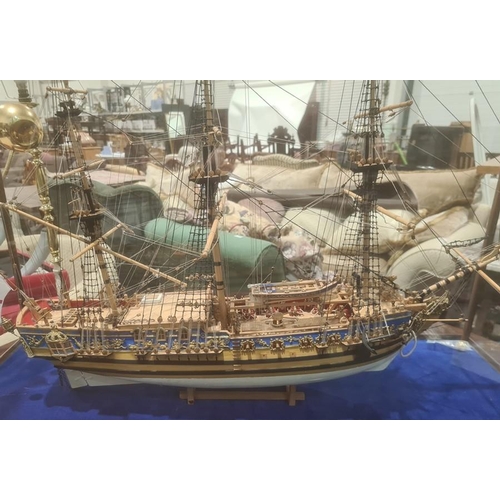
x=229 y=369
x=78 y=379
x=262 y=353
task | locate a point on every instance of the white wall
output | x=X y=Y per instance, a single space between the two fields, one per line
x=338 y=99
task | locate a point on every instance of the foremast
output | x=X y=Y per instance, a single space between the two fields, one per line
x=207 y=211
x=367 y=166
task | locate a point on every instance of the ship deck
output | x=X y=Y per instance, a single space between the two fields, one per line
x=152 y=308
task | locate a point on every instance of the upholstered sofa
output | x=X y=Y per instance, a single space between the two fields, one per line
x=281 y=200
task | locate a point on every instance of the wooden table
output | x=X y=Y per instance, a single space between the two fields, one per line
x=491 y=167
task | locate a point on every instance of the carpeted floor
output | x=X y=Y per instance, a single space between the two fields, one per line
x=437 y=382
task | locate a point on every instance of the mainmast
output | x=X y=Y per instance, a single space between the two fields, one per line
x=367 y=167
x=207 y=178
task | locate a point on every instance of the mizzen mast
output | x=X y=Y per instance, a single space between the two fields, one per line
x=86 y=210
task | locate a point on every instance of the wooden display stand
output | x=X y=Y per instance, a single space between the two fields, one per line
x=290 y=394
x=492 y=167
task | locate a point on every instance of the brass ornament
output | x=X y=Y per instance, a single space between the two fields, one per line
x=56 y=336
x=20 y=128
x=277 y=345
x=306 y=342
x=248 y=346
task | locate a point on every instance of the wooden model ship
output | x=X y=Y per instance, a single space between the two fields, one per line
x=189 y=333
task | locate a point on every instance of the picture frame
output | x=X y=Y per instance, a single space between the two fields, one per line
x=175 y=123
x=97 y=100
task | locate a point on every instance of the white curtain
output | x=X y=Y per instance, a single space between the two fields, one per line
x=260 y=107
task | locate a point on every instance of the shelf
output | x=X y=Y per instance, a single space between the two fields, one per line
x=108 y=124
x=129 y=113
x=132 y=132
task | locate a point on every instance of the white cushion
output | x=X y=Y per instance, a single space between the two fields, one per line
x=166 y=183
x=320 y=225
x=443 y=224
x=438 y=190
x=277 y=178
x=430 y=258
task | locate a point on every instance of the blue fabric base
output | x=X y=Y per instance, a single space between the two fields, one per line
x=435 y=382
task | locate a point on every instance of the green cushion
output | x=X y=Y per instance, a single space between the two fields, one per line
x=245 y=260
